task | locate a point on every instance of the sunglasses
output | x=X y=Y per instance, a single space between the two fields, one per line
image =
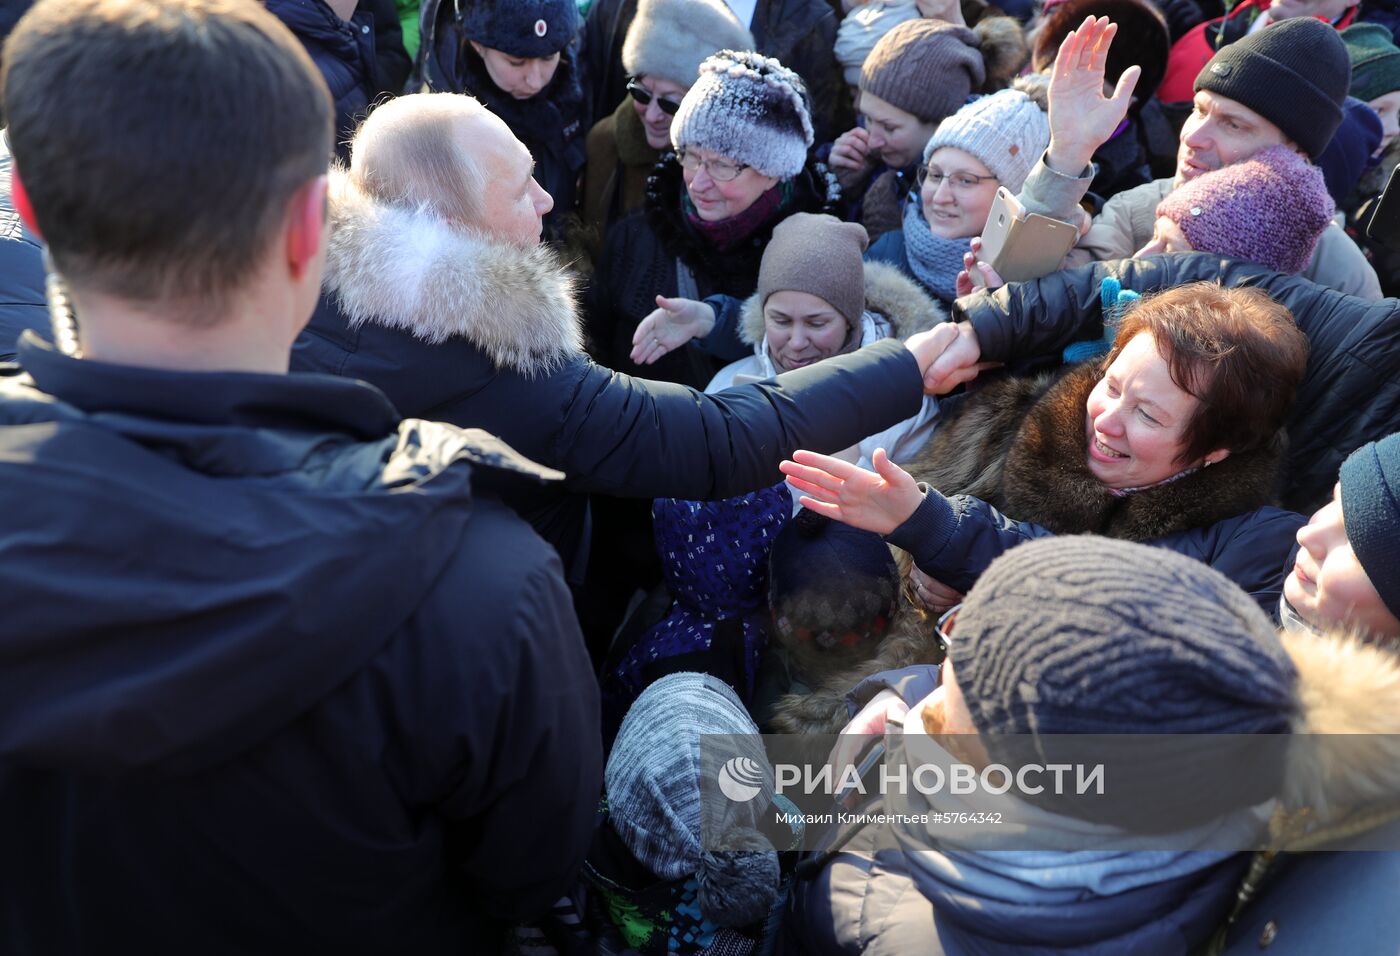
x=644 y=96
x=945 y=625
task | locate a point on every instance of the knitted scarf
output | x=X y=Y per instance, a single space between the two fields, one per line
x=725 y=234
x=935 y=261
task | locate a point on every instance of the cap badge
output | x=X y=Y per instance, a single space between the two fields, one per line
x=1195 y=210
x=541 y=28
x=1221 y=69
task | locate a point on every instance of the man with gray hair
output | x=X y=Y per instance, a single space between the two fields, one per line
x=276 y=675
x=440 y=295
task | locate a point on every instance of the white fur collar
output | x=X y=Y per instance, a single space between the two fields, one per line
x=408 y=269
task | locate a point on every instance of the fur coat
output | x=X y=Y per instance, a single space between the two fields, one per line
x=1019 y=444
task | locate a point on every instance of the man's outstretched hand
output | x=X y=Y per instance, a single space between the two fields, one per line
x=879 y=500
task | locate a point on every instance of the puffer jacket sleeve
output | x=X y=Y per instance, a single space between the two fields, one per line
x=630 y=437
x=955 y=539
x=1350 y=393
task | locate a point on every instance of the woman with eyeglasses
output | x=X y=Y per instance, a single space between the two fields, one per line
x=518 y=57
x=665 y=45
x=992 y=141
x=742 y=137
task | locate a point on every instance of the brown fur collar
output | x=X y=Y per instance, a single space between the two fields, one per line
x=1037 y=470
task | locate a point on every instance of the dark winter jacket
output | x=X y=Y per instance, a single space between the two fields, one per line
x=274 y=677
x=21 y=269
x=1350 y=394
x=359 y=60
x=800 y=34
x=553 y=124
x=645 y=252
x=471 y=331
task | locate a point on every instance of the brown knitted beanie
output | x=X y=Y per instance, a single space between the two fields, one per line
x=924 y=67
x=818 y=254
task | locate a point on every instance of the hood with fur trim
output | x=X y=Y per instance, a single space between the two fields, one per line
x=888 y=292
x=408 y=269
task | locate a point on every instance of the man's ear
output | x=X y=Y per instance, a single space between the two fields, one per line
x=20 y=197
x=306 y=221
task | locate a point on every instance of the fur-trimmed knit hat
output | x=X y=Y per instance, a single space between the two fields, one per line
x=1375 y=60
x=1295 y=73
x=820 y=254
x=1007 y=131
x=748 y=108
x=1370 y=480
x=655 y=801
x=671 y=38
x=1270 y=209
x=523 y=28
x=863 y=27
x=924 y=67
x=1143 y=39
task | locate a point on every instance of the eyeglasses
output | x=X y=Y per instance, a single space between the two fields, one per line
x=945 y=625
x=644 y=96
x=960 y=182
x=720 y=170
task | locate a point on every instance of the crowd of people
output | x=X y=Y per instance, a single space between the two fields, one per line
x=424 y=425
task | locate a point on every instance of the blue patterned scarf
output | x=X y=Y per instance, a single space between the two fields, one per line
x=934 y=260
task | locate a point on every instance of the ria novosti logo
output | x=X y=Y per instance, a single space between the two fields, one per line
x=741 y=779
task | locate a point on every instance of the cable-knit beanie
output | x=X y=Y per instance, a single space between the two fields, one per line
x=924 y=67
x=1371 y=512
x=653 y=790
x=863 y=27
x=1270 y=209
x=1375 y=60
x=1294 y=73
x=820 y=254
x=1007 y=131
x=1080 y=634
x=671 y=38
x=523 y=28
x=1143 y=39
x=749 y=108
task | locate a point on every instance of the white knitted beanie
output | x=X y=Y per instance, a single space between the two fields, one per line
x=671 y=38
x=748 y=108
x=1007 y=131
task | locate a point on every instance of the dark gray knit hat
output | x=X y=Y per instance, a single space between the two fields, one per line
x=524 y=28
x=924 y=67
x=1370 y=482
x=1073 y=636
x=1088 y=635
x=819 y=254
x=1294 y=73
x=749 y=108
x=655 y=797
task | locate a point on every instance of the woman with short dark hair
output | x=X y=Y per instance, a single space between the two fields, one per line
x=1174 y=439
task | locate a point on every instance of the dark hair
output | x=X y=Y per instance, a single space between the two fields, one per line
x=1236 y=350
x=159 y=143
x=1143 y=39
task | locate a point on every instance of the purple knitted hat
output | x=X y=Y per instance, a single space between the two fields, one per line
x=1270 y=209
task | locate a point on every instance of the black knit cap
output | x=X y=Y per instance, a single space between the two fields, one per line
x=1370 y=482
x=1294 y=73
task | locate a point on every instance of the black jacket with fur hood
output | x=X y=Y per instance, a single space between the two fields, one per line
x=454 y=326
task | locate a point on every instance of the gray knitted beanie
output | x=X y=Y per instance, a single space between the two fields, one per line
x=819 y=254
x=671 y=38
x=654 y=796
x=924 y=67
x=748 y=108
x=1080 y=634
x=1295 y=73
x=1007 y=131
x=862 y=29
